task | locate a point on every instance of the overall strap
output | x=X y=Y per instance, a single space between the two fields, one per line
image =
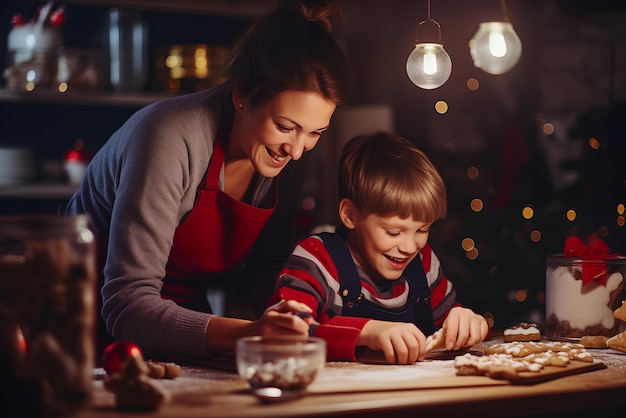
x=420 y=295
x=349 y=279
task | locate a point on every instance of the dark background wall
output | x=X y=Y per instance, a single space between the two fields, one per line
x=490 y=145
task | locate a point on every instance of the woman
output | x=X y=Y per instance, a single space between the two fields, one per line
x=202 y=190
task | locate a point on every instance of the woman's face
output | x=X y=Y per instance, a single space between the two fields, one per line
x=385 y=245
x=280 y=130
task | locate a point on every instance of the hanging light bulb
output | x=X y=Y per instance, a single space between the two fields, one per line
x=495 y=47
x=429 y=65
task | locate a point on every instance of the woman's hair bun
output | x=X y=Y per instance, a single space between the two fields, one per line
x=291 y=48
x=325 y=12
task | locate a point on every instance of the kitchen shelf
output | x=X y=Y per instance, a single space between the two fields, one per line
x=242 y=8
x=50 y=121
x=94 y=99
x=39 y=190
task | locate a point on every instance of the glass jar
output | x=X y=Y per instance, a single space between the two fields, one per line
x=33 y=57
x=47 y=314
x=581 y=296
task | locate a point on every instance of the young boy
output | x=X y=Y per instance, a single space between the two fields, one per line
x=376 y=282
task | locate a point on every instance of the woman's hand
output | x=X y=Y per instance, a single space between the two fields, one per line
x=464 y=328
x=283 y=318
x=280 y=319
x=400 y=342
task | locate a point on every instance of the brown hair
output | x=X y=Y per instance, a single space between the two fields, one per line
x=292 y=48
x=385 y=174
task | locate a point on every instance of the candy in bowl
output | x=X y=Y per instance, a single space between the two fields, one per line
x=287 y=363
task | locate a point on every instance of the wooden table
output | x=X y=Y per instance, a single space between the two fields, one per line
x=373 y=390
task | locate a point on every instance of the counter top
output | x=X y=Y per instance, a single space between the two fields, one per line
x=364 y=390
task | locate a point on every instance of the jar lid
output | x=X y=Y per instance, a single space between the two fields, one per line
x=562 y=260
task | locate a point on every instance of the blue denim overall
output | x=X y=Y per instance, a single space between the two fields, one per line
x=417 y=309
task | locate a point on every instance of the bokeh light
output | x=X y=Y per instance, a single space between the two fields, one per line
x=535 y=236
x=547 y=128
x=308 y=203
x=473 y=84
x=441 y=107
x=528 y=212
x=467 y=244
x=476 y=205
x=472 y=173
x=541 y=296
x=472 y=254
x=570 y=215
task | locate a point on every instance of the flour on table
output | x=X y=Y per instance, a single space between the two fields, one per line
x=354 y=372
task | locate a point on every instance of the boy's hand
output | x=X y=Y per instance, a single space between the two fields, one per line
x=464 y=328
x=400 y=342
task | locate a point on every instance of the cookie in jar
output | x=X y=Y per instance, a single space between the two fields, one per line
x=584 y=286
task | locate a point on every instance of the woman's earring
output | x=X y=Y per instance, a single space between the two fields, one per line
x=240 y=106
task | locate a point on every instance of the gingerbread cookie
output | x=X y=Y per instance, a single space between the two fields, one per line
x=593 y=341
x=617 y=342
x=163 y=370
x=505 y=360
x=517 y=349
x=548 y=358
x=133 y=388
x=156 y=370
x=522 y=332
x=497 y=366
x=172 y=370
x=436 y=340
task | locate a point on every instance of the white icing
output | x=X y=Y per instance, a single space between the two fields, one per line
x=582 y=307
x=521 y=330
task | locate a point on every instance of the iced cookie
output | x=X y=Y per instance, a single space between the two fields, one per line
x=497 y=366
x=521 y=349
x=522 y=332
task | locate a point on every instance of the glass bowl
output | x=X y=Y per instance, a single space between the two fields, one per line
x=287 y=363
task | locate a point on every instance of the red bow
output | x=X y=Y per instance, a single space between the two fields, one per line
x=598 y=250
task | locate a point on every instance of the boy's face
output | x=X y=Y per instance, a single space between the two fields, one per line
x=385 y=245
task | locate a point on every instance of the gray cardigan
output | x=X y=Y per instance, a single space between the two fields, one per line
x=138 y=189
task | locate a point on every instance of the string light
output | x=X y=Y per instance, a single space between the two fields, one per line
x=429 y=66
x=495 y=47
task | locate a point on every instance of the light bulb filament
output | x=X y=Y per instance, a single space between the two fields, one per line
x=497 y=44
x=430 y=63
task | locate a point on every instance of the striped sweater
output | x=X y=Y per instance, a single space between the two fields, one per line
x=310 y=276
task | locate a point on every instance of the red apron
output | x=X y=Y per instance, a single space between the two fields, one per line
x=216 y=236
